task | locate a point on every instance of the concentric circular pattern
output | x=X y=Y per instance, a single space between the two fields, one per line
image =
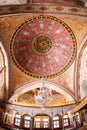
x=43 y=46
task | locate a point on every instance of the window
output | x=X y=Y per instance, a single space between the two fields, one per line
x=45 y=122
x=27 y=120
x=17 y=120
x=56 y=122
x=41 y=122
x=37 y=122
x=65 y=120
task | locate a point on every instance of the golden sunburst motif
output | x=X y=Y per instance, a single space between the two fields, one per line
x=42 y=44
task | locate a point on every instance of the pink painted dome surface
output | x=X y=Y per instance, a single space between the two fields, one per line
x=43 y=46
x=59 y=2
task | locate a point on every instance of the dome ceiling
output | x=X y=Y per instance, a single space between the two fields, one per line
x=43 y=46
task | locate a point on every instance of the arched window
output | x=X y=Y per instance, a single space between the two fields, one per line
x=17 y=120
x=45 y=122
x=27 y=121
x=41 y=122
x=66 y=120
x=37 y=122
x=9 y=117
x=56 y=122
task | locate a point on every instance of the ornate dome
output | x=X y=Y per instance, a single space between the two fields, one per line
x=43 y=46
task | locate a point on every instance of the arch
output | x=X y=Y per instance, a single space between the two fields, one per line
x=65 y=116
x=9 y=116
x=5 y=69
x=57 y=115
x=36 y=84
x=78 y=64
x=40 y=114
x=17 y=113
x=26 y=114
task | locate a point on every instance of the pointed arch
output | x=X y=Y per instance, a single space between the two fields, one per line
x=36 y=84
x=4 y=71
x=81 y=68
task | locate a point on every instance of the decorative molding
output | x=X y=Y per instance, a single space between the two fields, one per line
x=80 y=105
x=32 y=111
x=42 y=8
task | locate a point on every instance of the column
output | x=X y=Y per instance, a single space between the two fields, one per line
x=31 y=124
x=52 y=119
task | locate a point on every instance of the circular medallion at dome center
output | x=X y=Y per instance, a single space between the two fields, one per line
x=42 y=44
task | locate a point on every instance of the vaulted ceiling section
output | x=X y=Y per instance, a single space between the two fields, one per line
x=43 y=40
